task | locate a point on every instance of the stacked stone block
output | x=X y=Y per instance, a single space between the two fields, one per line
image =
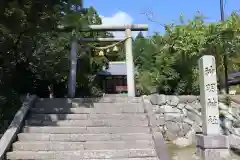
x=179 y=118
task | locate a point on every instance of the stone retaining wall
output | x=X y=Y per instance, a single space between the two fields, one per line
x=179 y=118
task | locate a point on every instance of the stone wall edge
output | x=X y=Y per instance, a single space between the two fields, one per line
x=10 y=134
x=192 y=98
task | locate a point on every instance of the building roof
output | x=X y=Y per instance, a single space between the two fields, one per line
x=117 y=68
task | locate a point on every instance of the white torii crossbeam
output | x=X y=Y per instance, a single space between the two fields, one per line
x=128 y=28
x=100 y=39
x=123 y=27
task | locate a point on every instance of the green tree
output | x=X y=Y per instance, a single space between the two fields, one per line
x=170 y=61
x=35 y=39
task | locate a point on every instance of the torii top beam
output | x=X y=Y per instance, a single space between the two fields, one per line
x=123 y=27
x=101 y=39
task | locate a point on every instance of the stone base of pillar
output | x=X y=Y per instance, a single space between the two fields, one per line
x=211 y=147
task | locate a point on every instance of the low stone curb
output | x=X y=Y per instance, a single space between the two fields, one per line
x=160 y=146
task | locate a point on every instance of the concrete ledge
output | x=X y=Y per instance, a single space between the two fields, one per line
x=212 y=141
x=160 y=146
x=16 y=124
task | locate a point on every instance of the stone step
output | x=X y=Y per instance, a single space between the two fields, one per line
x=88 y=123
x=117 y=105
x=55 y=117
x=109 y=110
x=89 y=105
x=109 y=99
x=86 y=130
x=59 y=102
x=94 y=154
x=116 y=95
x=87 y=102
x=120 y=99
x=76 y=146
x=152 y=158
x=83 y=137
x=77 y=158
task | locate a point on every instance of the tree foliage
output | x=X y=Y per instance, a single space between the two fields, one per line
x=35 y=39
x=169 y=62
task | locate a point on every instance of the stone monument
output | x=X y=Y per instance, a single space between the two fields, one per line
x=211 y=144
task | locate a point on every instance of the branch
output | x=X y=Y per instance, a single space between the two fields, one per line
x=151 y=17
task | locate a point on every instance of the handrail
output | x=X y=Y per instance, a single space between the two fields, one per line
x=15 y=126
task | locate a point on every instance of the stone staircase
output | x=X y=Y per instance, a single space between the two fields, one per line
x=77 y=129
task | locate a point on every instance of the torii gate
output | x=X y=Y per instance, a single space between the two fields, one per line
x=128 y=49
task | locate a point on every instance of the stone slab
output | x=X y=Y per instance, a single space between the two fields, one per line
x=88 y=123
x=108 y=99
x=76 y=146
x=86 y=130
x=47 y=102
x=188 y=98
x=98 y=154
x=55 y=117
x=83 y=137
x=118 y=104
x=157 y=99
x=172 y=100
x=109 y=110
x=167 y=109
x=178 y=117
x=88 y=105
x=47 y=146
x=159 y=121
x=212 y=141
x=143 y=158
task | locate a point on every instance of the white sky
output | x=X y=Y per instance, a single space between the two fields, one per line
x=119 y=18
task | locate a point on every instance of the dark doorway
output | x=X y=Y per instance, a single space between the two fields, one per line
x=114 y=84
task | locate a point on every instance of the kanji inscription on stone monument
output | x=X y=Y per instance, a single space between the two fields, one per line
x=210 y=144
x=208 y=95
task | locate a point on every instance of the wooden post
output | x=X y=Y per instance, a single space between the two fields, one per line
x=73 y=71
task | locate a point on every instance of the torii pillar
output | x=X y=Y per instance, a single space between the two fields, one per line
x=128 y=49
